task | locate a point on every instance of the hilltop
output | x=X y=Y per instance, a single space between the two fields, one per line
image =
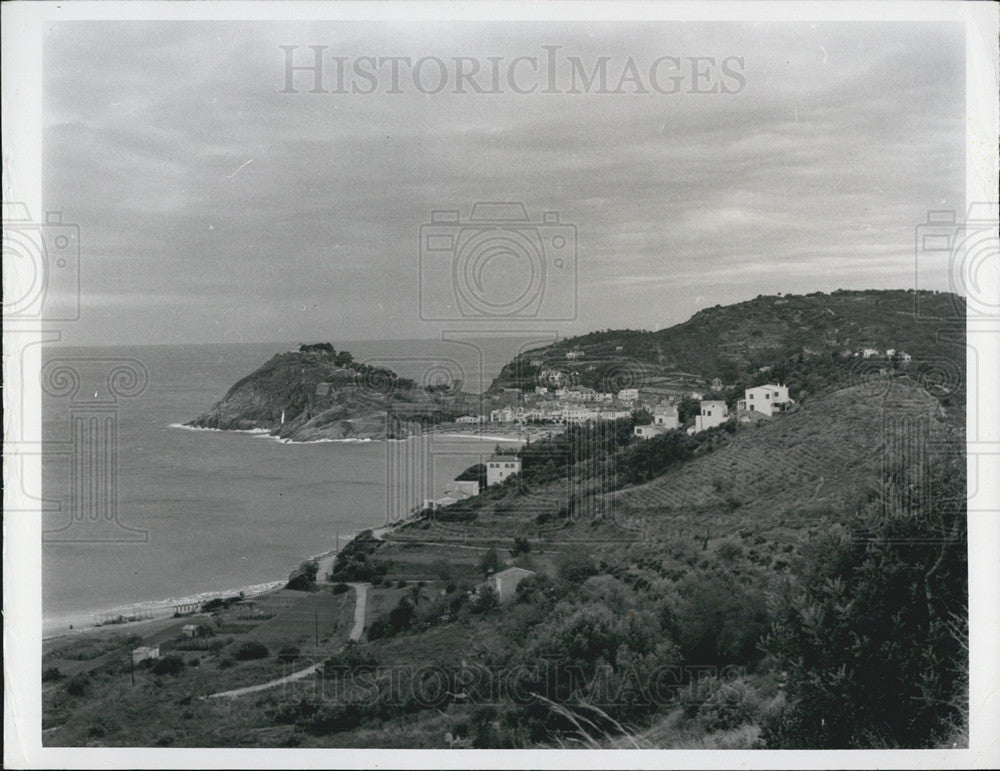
x=320 y=393
x=729 y=341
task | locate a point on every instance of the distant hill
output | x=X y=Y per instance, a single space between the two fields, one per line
x=730 y=341
x=319 y=393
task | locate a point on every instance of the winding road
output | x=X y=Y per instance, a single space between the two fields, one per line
x=360 y=610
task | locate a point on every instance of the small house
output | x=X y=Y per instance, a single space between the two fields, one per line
x=713 y=413
x=768 y=399
x=628 y=394
x=505 y=582
x=648 y=432
x=499 y=467
x=190 y=630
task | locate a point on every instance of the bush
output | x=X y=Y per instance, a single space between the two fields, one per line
x=303 y=578
x=170 y=664
x=340 y=588
x=717 y=620
x=251 y=650
x=78 y=685
x=288 y=653
x=51 y=675
x=490 y=561
x=226 y=663
x=195 y=662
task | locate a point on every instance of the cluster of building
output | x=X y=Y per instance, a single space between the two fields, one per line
x=560 y=405
x=498 y=468
x=889 y=353
x=759 y=402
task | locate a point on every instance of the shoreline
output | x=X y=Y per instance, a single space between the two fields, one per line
x=451 y=432
x=147 y=611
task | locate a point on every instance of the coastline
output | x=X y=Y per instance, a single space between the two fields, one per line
x=451 y=432
x=149 y=611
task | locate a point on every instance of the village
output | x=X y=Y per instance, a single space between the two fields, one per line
x=655 y=401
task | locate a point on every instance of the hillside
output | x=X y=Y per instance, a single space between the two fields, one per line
x=729 y=341
x=318 y=393
x=785 y=584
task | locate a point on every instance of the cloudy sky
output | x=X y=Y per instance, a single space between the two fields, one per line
x=213 y=207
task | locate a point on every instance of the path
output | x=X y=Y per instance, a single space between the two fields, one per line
x=360 y=609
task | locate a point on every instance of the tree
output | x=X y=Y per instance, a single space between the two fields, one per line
x=490 y=562
x=876 y=618
x=415 y=593
x=169 y=665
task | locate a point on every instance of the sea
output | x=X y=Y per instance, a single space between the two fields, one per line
x=188 y=514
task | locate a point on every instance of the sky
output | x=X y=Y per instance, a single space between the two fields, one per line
x=215 y=208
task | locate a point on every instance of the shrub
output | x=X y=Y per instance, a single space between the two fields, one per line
x=288 y=653
x=51 y=675
x=78 y=685
x=226 y=663
x=490 y=561
x=250 y=650
x=340 y=588
x=303 y=578
x=170 y=664
x=195 y=662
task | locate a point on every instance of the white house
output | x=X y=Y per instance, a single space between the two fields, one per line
x=713 y=413
x=499 y=467
x=144 y=652
x=505 y=415
x=665 y=416
x=869 y=352
x=464 y=489
x=768 y=399
x=473 y=419
x=628 y=394
x=505 y=582
x=190 y=630
x=648 y=432
x=574 y=355
x=717 y=384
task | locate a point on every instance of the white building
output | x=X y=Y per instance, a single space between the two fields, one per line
x=505 y=415
x=499 y=467
x=713 y=413
x=869 y=352
x=628 y=394
x=505 y=582
x=665 y=416
x=474 y=419
x=767 y=399
x=648 y=432
x=574 y=355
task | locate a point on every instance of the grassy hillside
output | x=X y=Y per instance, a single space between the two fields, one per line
x=727 y=341
x=787 y=583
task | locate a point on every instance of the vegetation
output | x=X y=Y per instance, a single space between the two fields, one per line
x=787 y=584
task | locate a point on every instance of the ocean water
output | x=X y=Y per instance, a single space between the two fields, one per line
x=223 y=511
